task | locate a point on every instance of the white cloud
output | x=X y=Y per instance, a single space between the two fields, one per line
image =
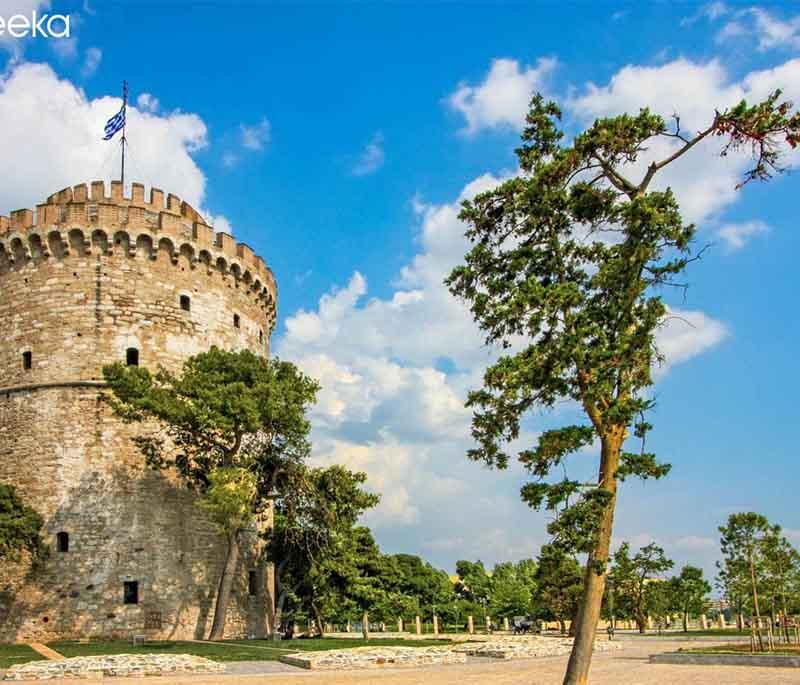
x=255 y=137
x=91 y=61
x=395 y=372
x=792 y=535
x=736 y=236
x=147 y=102
x=40 y=113
x=771 y=31
x=712 y=11
x=502 y=99
x=371 y=158
x=391 y=467
x=732 y=30
x=686 y=334
x=250 y=138
x=220 y=222
x=64 y=48
x=8 y=8
x=695 y=543
x=703 y=182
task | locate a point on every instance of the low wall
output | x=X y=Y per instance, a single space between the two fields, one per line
x=695 y=659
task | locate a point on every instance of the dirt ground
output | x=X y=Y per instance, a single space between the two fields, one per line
x=628 y=666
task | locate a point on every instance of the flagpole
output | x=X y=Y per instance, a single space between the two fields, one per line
x=124 y=122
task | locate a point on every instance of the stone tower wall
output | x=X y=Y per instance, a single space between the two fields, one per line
x=83 y=279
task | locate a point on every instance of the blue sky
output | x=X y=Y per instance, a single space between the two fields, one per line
x=338 y=139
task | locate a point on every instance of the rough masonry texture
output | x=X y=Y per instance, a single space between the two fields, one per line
x=85 y=280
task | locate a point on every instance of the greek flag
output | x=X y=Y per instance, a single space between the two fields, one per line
x=114 y=124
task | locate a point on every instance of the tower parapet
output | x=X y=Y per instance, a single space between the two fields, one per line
x=84 y=217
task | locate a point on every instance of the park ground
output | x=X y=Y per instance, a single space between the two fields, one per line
x=628 y=666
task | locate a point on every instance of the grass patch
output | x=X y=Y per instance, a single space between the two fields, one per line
x=319 y=644
x=716 y=632
x=11 y=655
x=209 y=650
x=744 y=649
x=228 y=650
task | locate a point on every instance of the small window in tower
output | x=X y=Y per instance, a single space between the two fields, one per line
x=186 y=303
x=27 y=360
x=130 y=592
x=62 y=541
x=132 y=356
x=260 y=337
x=252 y=584
x=236 y=321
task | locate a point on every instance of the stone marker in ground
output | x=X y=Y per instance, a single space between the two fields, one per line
x=373 y=657
x=527 y=647
x=508 y=647
x=131 y=665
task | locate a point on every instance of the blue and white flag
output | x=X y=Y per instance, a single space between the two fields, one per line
x=114 y=124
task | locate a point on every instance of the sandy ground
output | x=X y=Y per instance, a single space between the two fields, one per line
x=628 y=666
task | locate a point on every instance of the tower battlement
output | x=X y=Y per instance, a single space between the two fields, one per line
x=84 y=217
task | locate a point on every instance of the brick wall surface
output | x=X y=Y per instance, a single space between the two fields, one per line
x=82 y=280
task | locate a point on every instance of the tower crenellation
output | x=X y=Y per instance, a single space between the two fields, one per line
x=88 y=215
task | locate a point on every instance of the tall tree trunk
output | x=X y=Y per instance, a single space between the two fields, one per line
x=580 y=658
x=641 y=623
x=784 y=617
x=755 y=602
x=280 y=593
x=562 y=624
x=575 y=620
x=318 y=620
x=365 y=625
x=224 y=588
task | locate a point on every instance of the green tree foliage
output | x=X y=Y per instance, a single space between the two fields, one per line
x=660 y=602
x=513 y=589
x=232 y=424
x=760 y=569
x=228 y=499
x=428 y=586
x=20 y=526
x=734 y=584
x=474 y=584
x=632 y=577
x=781 y=579
x=321 y=556
x=567 y=268
x=688 y=591
x=505 y=592
x=745 y=541
x=559 y=582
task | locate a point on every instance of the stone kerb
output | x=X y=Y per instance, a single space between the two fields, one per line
x=131 y=665
x=374 y=657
